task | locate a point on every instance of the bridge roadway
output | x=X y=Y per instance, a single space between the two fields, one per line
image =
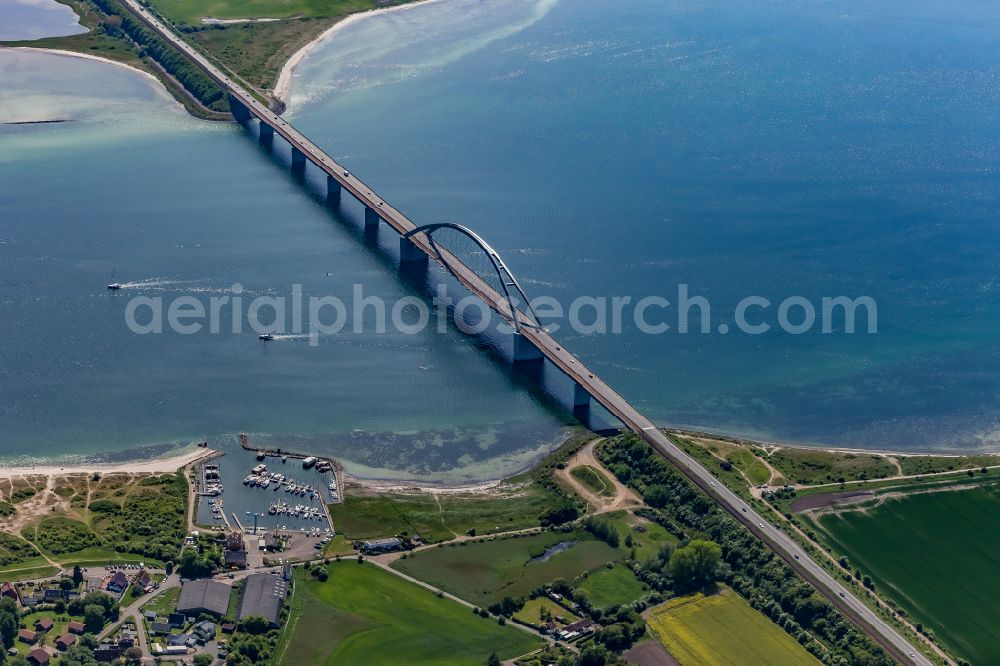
x=782 y=544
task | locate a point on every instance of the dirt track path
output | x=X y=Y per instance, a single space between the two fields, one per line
x=624 y=497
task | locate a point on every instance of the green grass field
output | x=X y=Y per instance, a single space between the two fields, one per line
x=647 y=537
x=363 y=517
x=364 y=615
x=533 y=609
x=593 y=480
x=937 y=555
x=258 y=51
x=722 y=629
x=28 y=570
x=485 y=572
x=806 y=467
x=164 y=603
x=192 y=11
x=59 y=622
x=608 y=587
x=753 y=469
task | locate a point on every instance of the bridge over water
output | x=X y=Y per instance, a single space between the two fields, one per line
x=532 y=343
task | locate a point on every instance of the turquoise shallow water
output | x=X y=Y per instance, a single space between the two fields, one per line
x=603 y=148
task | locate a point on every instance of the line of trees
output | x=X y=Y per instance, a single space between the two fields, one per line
x=194 y=80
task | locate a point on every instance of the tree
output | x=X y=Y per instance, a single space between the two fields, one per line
x=9 y=621
x=204 y=660
x=133 y=655
x=694 y=565
x=593 y=655
x=508 y=606
x=657 y=496
x=169 y=568
x=93 y=618
x=255 y=625
x=194 y=564
x=494 y=660
x=77 y=576
x=78 y=655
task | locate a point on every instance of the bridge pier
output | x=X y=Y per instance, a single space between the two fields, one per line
x=525 y=352
x=371 y=224
x=266 y=134
x=411 y=257
x=239 y=110
x=333 y=190
x=298 y=161
x=581 y=405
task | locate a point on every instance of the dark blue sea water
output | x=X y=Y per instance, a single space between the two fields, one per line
x=605 y=149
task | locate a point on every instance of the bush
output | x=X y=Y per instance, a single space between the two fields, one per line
x=104 y=506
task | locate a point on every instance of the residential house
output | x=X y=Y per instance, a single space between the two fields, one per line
x=10 y=590
x=186 y=640
x=236 y=559
x=576 y=629
x=27 y=636
x=75 y=627
x=228 y=628
x=44 y=624
x=66 y=641
x=205 y=630
x=106 y=652
x=159 y=627
x=127 y=638
x=118 y=583
x=143 y=580
x=39 y=657
x=177 y=620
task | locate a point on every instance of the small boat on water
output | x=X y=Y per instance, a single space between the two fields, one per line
x=115 y=284
x=262 y=336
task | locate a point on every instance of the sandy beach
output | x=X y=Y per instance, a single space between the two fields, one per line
x=151 y=466
x=284 y=85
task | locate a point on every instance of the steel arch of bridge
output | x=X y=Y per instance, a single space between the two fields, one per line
x=507 y=279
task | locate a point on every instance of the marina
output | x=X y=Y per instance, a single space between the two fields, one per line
x=281 y=494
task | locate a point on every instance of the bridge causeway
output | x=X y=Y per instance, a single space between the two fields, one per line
x=532 y=343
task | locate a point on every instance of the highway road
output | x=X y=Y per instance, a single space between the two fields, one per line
x=780 y=542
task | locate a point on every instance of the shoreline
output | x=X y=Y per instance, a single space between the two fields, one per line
x=155 y=465
x=283 y=85
x=827 y=448
x=175 y=461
